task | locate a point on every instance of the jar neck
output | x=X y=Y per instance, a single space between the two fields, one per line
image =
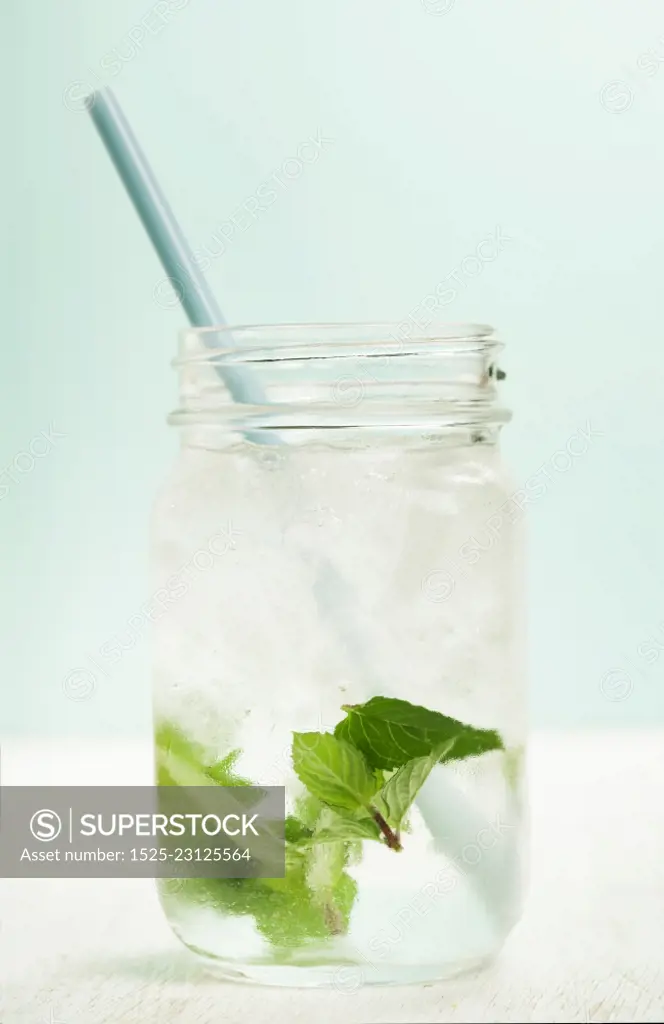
x=345 y=385
x=270 y=444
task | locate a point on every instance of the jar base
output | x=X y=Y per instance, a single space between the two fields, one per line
x=346 y=978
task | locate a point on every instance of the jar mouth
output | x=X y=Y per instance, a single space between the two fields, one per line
x=314 y=376
x=254 y=342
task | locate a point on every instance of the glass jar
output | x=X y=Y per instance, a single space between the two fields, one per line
x=338 y=558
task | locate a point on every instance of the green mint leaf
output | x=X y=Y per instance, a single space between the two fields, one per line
x=312 y=902
x=170 y=739
x=180 y=762
x=223 y=772
x=308 y=809
x=347 y=830
x=329 y=884
x=391 y=732
x=342 y=731
x=338 y=907
x=288 y=912
x=287 y=918
x=295 y=831
x=331 y=827
x=335 y=826
x=325 y=864
x=397 y=795
x=334 y=771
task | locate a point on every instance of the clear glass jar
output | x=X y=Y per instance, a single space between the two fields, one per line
x=350 y=534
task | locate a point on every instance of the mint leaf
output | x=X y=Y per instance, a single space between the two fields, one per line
x=334 y=826
x=391 y=732
x=287 y=917
x=331 y=826
x=295 y=831
x=308 y=810
x=170 y=739
x=180 y=762
x=334 y=771
x=342 y=730
x=324 y=868
x=332 y=889
x=397 y=795
x=347 y=830
x=223 y=772
x=313 y=901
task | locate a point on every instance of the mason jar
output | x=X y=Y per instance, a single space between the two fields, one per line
x=338 y=557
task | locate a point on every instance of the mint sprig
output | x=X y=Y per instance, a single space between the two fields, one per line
x=360 y=784
x=337 y=773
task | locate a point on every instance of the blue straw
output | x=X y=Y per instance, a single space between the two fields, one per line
x=166 y=235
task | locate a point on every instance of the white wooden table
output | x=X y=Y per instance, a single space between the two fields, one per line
x=590 y=947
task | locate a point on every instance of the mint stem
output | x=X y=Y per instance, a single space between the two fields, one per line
x=391 y=838
x=333 y=919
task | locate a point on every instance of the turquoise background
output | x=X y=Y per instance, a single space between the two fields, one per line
x=447 y=120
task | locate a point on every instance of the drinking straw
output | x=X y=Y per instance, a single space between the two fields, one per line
x=166 y=234
x=440 y=805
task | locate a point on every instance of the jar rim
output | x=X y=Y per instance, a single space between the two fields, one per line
x=287 y=341
x=338 y=374
x=431 y=330
x=343 y=332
